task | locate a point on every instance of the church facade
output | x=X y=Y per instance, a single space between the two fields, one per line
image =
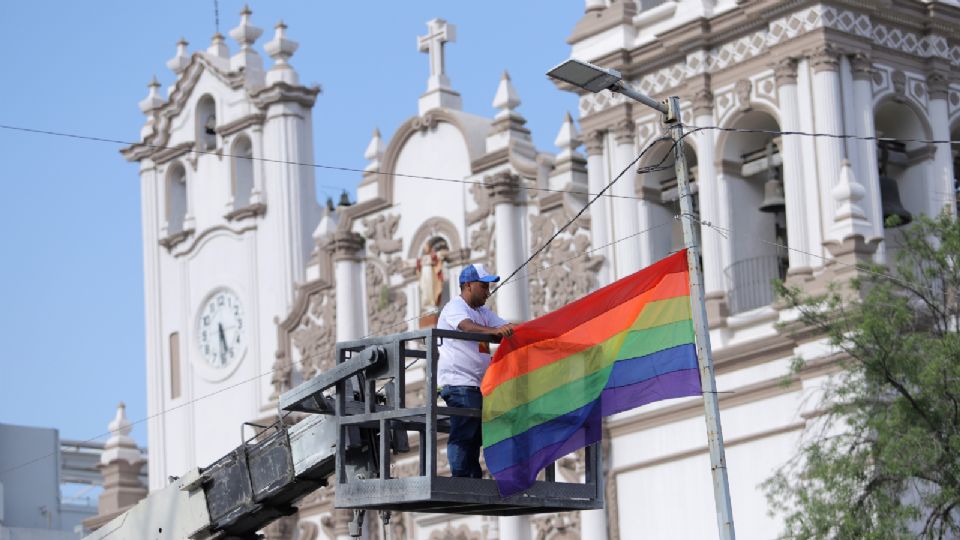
x=250 y=282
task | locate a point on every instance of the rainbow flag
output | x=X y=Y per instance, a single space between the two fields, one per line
x=551 y=383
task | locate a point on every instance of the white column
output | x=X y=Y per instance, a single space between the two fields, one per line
x=515 y=528
x=868 y=173
x=808 y=153
x=625 y=206
x=152 y=214
x=348 y=274
x=828 y=118
x=791 y=153
x=512 y=299
x=599 y=210
x=593 y=524
x=942 y=171
x=710 y=195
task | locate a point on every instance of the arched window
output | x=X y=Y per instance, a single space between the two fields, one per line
x=242 y=172
x=752 y=171
x=206 y=123
x=176 y=210
x=903 y=169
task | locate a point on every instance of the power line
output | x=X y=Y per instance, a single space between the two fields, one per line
x=657 y=167
x=296 y=163
x=591 y=201
x=825 y=135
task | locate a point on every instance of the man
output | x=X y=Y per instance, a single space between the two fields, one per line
x=462 y=364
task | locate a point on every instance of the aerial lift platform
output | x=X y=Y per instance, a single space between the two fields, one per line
x=355 y=420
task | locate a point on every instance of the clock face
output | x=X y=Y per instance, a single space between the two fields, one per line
x=221 y=329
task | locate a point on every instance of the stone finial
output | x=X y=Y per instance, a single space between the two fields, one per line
x=594 y=5
x=568 y=139
x=120 y=445
x=506 y=98
x=181 y=60
x=374 y=152
x=280 y=48
x=849 y=219
x=153 y=100
x=329 y=219
x=245 y=34
x=218 y=47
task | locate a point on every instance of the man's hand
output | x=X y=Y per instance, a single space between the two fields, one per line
x=505 y=330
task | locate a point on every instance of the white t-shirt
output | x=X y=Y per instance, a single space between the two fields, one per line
x=462 y=363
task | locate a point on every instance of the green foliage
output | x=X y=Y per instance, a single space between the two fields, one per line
x=885 y=460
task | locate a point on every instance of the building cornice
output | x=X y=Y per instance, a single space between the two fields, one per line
x=753 y=33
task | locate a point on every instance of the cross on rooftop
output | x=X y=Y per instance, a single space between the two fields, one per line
x=439 y=32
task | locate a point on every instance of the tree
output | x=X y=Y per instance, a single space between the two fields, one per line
x=884 y=462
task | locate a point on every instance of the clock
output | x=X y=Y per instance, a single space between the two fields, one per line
x=221 y=329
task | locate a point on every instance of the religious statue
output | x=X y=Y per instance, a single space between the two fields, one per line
x=430 y=278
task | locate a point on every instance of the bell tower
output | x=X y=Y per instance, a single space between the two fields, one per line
x=228 y=208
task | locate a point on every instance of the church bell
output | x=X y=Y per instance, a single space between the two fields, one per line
x=774 y=201
x=890 y=193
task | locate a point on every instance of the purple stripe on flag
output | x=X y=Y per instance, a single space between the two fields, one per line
x=521 y=476
x=633 y=370
x=669 y=385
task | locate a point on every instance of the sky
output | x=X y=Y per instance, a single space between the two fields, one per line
x=71 y=266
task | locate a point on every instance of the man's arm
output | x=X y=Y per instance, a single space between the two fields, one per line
x=467 y=325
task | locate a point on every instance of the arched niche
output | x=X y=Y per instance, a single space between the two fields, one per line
x=175 y=210
x=908 y=163
x=747 y=162
x=206 y=123
x=241 y=170
x=659 y=188
x=433 y=242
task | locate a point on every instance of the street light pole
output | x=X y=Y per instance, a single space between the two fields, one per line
x=708 y=383
x=595 y=79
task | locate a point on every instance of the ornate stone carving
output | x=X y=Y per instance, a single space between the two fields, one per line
x=624 y=131
x=593 y=142
x=425 y=122
x=345 y=245
x=825 y=58
x=560 y=526
x=703 y=102
x=315 y=337
x=308 y=531
x=862 y=66
x=484 y=205
x=938 y=85
x=564 y=271
x=281 y=529
x=743 y=89
x=503 y=188
x=380 y=232
x=386 y=306
x=785 y=71
x=459 y=533
x=482 y=241
x=899 y=81
x=280 y=376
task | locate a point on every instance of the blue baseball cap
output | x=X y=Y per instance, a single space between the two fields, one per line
x=476 y=272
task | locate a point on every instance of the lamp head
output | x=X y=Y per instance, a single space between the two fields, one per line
x=585 y=75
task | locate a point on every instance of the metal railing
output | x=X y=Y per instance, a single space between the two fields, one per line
x=750 y=282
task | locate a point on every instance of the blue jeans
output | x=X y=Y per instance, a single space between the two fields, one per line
x=463 y=446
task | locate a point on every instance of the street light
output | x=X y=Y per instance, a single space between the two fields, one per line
x=596 y=79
